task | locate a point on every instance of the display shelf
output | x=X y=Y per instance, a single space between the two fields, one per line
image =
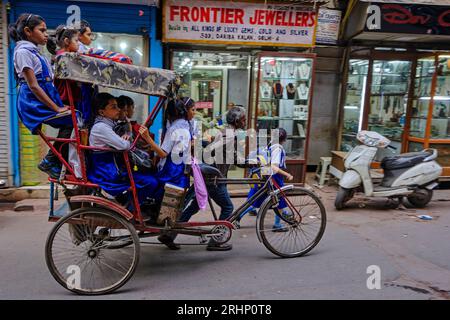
x=282 y=99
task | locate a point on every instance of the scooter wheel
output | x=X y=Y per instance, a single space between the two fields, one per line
x=420 y=198
x=342 y=197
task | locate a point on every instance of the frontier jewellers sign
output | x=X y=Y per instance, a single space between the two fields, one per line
x=230 y=22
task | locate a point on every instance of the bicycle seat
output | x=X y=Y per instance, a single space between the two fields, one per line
x=210 y=171
x=405 y=160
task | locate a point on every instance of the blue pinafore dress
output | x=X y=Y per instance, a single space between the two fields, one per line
x=108 y=170
x=279 y=179
x=33 y=112
x=173 y=173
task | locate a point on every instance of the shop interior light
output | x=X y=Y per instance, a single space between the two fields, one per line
x=215 y=67
x=361 y=111
x=138 y=52
x=123 y=45
x=436 y=98
x=351 y=107
x=284 y=59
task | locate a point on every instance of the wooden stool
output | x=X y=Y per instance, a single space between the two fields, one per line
x=322 y=170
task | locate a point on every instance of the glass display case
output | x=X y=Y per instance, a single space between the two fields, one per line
x=430 y=111
x=388 y=101
x=354 y=102
x=283 y=96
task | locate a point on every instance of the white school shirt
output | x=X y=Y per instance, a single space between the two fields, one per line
x=103 y=136
x=276 y=158
x=178 y=137
x=24 y=58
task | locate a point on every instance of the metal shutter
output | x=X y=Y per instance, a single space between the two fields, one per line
x=4 y=101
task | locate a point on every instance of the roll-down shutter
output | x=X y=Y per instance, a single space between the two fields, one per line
x=4 y=118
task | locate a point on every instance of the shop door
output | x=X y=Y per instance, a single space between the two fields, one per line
x=388 y=101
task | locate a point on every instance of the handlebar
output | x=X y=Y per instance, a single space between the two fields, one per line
x=391 y=147
x=433 y=154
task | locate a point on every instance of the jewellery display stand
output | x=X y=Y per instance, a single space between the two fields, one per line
x=283 y=100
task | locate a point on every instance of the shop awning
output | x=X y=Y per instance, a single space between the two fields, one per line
x=430 y=2
x=426 y=23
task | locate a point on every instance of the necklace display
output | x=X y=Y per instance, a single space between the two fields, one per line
x=303 y=71
x=290 y=89
x=277 y=90
x=291 y=69
x=278 y=69
x=303 y=91
x=265 y=90
x=268 y=69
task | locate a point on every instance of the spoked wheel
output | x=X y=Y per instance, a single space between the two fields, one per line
x=297 y=230
x=85 y=251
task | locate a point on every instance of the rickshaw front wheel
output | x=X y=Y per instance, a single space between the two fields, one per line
x=84 y=251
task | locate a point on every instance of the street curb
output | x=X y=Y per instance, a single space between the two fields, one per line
x=23 y=193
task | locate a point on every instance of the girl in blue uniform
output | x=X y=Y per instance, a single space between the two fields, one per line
x=107 y=169
x=38 y=100
x=277 y=158
x=174 y=151
x=66 y=38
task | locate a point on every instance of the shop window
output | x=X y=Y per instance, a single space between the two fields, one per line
x=354 y=102
x=422 y=96
x=388 y=100
x=133 y=46
x=215 y=80
x=440 y=128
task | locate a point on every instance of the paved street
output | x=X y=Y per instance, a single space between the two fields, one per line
x=413 y=255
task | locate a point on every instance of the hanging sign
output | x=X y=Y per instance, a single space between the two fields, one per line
x=232 y=22
x=328 y=26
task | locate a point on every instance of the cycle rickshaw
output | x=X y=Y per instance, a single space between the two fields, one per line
x=94 y=249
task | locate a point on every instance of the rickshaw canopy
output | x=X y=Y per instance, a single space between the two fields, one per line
x=111 y=74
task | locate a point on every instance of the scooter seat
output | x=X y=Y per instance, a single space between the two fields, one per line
x=405 y=160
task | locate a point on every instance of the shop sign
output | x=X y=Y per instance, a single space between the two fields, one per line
x=232 y=22
x=328 y=26
x=408 y=18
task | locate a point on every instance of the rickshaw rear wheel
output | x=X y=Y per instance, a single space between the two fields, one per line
x=297 y=234
x=87 y=260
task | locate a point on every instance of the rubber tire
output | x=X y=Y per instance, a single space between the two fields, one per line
x=421 y=200
x=342 y=197
x=260 y=222
x=49 y=260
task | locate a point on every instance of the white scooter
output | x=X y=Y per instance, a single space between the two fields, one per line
x=413 y=175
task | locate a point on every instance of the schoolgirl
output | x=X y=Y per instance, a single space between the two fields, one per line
x=107 y=169
x=85 y=36
x=174 y=151
x=38 y=100
x=66 y=38
x=277 y=157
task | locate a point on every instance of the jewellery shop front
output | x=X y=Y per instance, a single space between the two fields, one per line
x=397 y=79
x=251 y=54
